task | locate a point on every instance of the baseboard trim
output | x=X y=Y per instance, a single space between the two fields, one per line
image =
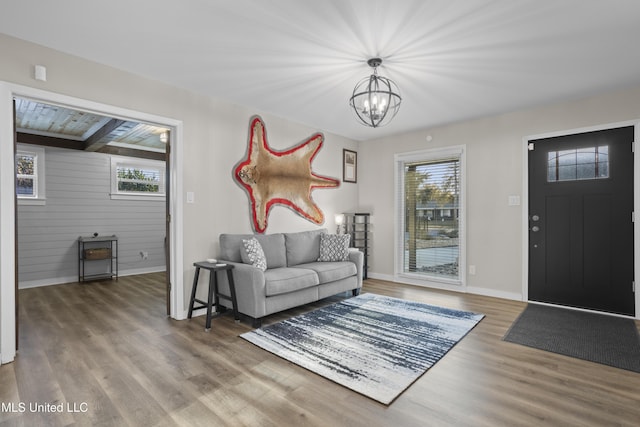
x=380 y=276
x=468 y=289
x=514 y=296
x=47 y=282
x=72 y=279
x=198 y=312
x=421 y=283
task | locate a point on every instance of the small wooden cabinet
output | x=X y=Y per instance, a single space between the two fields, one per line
x=97 y=258
x=358 y=225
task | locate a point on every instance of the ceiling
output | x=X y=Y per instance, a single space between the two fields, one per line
x=62 y=127
x=300 y=59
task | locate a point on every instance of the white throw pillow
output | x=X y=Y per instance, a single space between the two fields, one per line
x=254 y=253
x=334 y=247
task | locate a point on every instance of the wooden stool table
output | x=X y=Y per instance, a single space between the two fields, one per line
x=214 y=294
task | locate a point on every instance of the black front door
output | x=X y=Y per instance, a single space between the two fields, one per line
x=581 y=220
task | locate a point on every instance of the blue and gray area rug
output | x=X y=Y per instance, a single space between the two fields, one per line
x=372 y=344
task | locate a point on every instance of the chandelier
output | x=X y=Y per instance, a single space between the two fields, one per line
x=376 y=100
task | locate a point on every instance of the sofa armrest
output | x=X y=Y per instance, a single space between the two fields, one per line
x=250 y=288
x=357 y=257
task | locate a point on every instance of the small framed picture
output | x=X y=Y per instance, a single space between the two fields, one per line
x=349 y=166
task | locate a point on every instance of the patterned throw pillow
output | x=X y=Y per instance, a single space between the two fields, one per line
x=255 y=254
x=334 y=247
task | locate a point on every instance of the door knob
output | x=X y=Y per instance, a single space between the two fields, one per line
x=535 y=228
x=535 y=218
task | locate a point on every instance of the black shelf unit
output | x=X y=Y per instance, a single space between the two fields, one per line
x=96 y=249
x=358 y=225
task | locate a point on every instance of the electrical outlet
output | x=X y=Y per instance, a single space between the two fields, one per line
x=144 y=254
x=472 y=270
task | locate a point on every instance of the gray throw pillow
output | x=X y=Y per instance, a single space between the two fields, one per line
x=334 y=247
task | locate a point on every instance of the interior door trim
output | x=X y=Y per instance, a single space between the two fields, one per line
x=7 y=225
x=525 y=200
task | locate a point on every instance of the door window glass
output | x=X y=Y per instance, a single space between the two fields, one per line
x=578 y=164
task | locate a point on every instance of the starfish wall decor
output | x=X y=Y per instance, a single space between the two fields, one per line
x=280 y=177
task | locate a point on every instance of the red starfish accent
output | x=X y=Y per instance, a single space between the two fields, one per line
x=280 y=177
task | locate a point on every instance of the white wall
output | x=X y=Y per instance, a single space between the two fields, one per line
x=495 y=170
x=78 y=203
x=214 y=139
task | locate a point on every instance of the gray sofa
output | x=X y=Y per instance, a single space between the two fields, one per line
x=293 y=277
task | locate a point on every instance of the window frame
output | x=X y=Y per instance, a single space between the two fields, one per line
x=429 y=155
x=118 y=161
x=39 y=196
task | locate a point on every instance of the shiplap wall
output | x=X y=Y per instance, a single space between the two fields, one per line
x=78 y=203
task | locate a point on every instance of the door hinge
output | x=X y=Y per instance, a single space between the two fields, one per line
x=633 y=287
x=633 y=216
x=169 y=218
x=531 y=146
x=633 y=146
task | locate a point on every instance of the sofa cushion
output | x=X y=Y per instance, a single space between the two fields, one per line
x=253 y=254
x=334 y=247
x=303 y=247
x=274 y=249
x=272 y=246
x=283 y=280
x=331 y=271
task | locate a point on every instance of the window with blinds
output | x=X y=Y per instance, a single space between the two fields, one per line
x=430 y=215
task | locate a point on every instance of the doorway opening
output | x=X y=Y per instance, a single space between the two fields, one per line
x=84 y=174
x=171 y=248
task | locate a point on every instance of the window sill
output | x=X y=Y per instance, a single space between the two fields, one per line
x=148 y=197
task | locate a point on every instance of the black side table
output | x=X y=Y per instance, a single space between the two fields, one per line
x=214 y=294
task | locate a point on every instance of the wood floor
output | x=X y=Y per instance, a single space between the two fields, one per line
x=107 y=351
